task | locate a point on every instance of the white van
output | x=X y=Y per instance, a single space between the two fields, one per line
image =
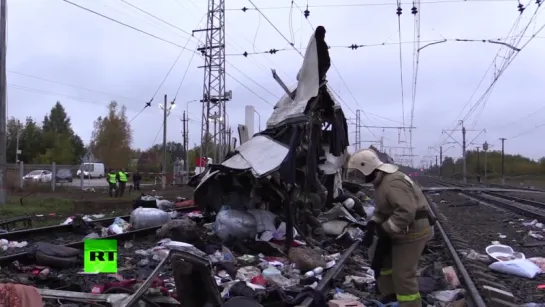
x=91 y=170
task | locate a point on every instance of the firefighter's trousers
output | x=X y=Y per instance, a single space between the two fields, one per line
x=398 y=273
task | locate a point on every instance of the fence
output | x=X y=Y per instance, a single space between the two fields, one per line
x=51 y=177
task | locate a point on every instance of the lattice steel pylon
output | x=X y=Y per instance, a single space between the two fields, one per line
x=214 y=118
x=358 y=130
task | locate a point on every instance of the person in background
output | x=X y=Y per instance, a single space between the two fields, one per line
x=122 y=178
x=136 y=178
x=111 y=178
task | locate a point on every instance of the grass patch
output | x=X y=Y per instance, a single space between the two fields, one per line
x=34 y=205
x=46 y=211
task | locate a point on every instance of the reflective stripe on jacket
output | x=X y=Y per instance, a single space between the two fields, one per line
x=122 y=176
x=112 y=178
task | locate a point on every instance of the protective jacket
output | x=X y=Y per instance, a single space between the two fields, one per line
x=112 y=178
x=122 y=176
x=401 y=207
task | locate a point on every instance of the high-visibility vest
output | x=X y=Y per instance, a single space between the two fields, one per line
x=112 y=178
x=122 y=176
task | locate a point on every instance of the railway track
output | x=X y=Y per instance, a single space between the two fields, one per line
x=495 y=289
x=64 y=235
x=525 y=207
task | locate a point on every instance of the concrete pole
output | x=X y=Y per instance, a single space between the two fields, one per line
x=249 y=120
x=3 y=89
x=164 y=168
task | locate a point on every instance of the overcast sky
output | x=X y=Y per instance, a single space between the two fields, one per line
x=56 y=41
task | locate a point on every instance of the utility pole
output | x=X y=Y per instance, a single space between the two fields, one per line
x=3 y=89
x=464 y=145
x=502 y=160
x=478 y=165
x=440 y=160
x=464 y=165
x=17 y=143
x=185 y=128
x=164 y=168
x=214 y=94
x=437 y=164
x=358 y=130
x=485 y=149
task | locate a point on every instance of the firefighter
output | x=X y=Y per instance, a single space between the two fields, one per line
x=401 y=215
x=122 y=178
x=111 y=178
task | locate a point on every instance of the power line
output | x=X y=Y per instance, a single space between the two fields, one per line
x=123 y=24
x=355 y=47
x=73 y=86
x=398 y=13
x=527 y=131
x=523 y=118
x=251 y=91
x=157 y=18
x=281 y=34
x=486 y=73
x=164 y=40
x=345 y=5
x=50 y=93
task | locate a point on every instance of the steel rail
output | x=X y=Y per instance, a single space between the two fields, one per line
x=25 y=233
x=467 y=280
x=331 y=273
x=525 y=207
x=26 y=256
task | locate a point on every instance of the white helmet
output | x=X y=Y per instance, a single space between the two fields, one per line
x=367 y=160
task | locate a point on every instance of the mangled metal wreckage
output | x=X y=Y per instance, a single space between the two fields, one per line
x=294 y=167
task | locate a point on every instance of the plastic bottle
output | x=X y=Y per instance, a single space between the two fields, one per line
x=314 y=272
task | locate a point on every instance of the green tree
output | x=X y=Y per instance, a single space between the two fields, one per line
x=13 y=128
x=112 y=138
x=62 y=145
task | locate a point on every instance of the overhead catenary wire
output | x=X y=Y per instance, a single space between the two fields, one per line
x=491 y=86
x=527 y=131
x=157 y=18
x=356 y=47
x=399 y=12
x=73 y=86
x=345 y=5
x=123 y=24
x=415 y=11
x=507 y=59
x=148 y=104
x=147 y=33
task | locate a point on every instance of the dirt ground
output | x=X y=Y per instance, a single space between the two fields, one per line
x=49 y=208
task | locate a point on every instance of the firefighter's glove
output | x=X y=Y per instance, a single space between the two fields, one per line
x=369 y=234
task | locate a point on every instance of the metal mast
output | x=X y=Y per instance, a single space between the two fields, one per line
x=214 y=94
x=358 y=130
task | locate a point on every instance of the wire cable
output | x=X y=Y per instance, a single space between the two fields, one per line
x=123 y=24
x=174 y=64
x=355 y=47
x=111 y=19
x=267 y=19
x=71 y=85
x=157 y=18
x=251 y=91
x=344 y=5
x=527 y=131
x=399 y=11
x=458 y=123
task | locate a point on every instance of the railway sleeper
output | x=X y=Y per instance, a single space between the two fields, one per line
x=501 y=295
x=490 y=288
